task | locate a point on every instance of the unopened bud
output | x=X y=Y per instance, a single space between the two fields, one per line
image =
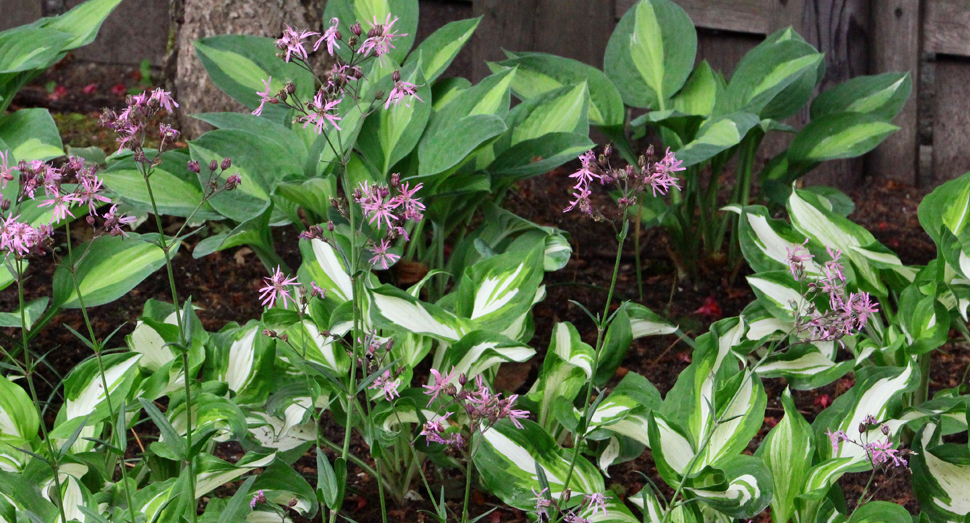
x=356 y=29
x=389 y=345
x=290 y=88
x=375 y=31
x=330 y=226
x=395 y=179
x=462 y=379
x=396 y=76
x=885 y=430
x=193 y=166
x=863 y=428
x=213 y=165
x=292 y=503
x=89 y=219
x=273 y=101
x=226 y=163
x=269 y=333
x=608 y=150
x=338 y=35
x=232 y=182
x=602 y=159
x=650 y=150
x=352 y=41
x=284 y=337
x=282 y=96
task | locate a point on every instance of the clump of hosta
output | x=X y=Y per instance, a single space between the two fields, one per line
x=650 y=173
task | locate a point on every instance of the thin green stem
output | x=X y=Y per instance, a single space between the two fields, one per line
x=29 y=374
x=469 y=474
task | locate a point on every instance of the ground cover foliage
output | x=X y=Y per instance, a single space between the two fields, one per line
x=379 y=161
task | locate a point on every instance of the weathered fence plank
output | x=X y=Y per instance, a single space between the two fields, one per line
x=947 y=27
x=951 y=158
x=504 y=25
x=740 y=16
x=896 y=47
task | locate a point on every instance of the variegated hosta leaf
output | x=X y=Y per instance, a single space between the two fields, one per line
x=394 y=309
x=19 y=424
x=625 y=410
x=282 y=485
x=280 y=434
x=941 y=475
x=787 y=452
x=567 y=367
x=766 y=242
x=74 y=494
x=810 y=217
x=86 y=401
x=242 y=358
x=212 y=417
x=780 y=294
x=324 y=265
x=479 y=351
x=644 y=322
x=744 y=491
x=670 y=446
x=507 y=458
x=496 y=291
x=805 y=367
x=615 y=512
x=648 y=503
x=307 y=342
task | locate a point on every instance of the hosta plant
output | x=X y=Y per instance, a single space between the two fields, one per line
x=707 y=120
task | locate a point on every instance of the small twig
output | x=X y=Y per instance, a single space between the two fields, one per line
x=664 y=353
x=138 y=440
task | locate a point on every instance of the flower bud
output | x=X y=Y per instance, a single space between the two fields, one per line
x=193 y=166
x=226 y=163
x=352 y=41
x=330 y=226
x=89 y=219
x=338 y=35
x=232 y=182
x=284 y=337
x=273 y=101
x=395 y=179
x=608 y=150
x=462 y=379
x=375 y=31
x=863 y=428
x=213 y=165
x=292 y=503
x=650 y=150
x=566 y=494
x=282 y=96
x=396 y=76
x=356 y=29
x=269 y=333
x=885 y=430
x=290 y=88
x=5 y=205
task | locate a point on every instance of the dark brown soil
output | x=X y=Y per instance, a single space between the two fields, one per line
x=225 y=284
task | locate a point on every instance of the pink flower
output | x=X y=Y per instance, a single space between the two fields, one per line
x=292 y=42
x=15 y=236
x=260 y=497
x=401 y=92
x=113 y=223
x=585 y=174
x=264 y=96
x=440 y=383
x=596 y=502
x=320 y=113
x=164 y=99
x=379 y=38
x=835 y=438
x=542 y=503
x=380 y=208
x=581 y=201
x=6 y=172
x=62 y=205
x=331 y=35
x=796 y=259
x=381 y=257
x=883 y=452
x=386 y=384
x=413 y=208
x=276 y=288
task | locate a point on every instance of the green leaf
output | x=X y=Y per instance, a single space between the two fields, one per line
x=567 y=368
x=787 y=452
x=769 y=79
x=716 y=136
x=745 y=490
x=540 y=73
x=267 y=129
x=110 y=267
x=391 y=132
x=282 y=484
x=326 y=480
x=17 y=412
x=392 y=308
x=838 y=136
x=437 y=51
x=948 y=205
x=942 y=484
x=33 y=310
x=507 y=459
x=31 y=134
x=651 y=53
x=538 y=155
x=699 y=93
x=26 y=48
x=479 y=351
x=171 y=436
x=881 y=96
x=496 y=291
x=454 y=145
x=176 y=189
x=82 y=22
x=237 y=505
x=240 y=64
x=881 y=512
x=367 y=11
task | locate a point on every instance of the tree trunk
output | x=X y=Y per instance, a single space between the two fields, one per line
x=195 y=19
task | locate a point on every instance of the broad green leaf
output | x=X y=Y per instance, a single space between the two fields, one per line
x=391 y=308
x=438 y=50
x=766 y=242
x=82 y=22
x=804 y=366
x=267 y=130
x=948 y=205
x=391 y=133
x=538 y=155
x=761 y=82
x=540 y=73
x=18 y=417
x=491 y=96
x=882 y=96
x=240 y=64
x=496 y=291
x=881 y=512
x=566 y=368
x=111 y=266
x=716 y=136
x=651 y=53
x=33 y=310
x=454 y=145
x=26 y=48
x=310 y=344
x=176 y=189
x=507 y=459
x=31 y=134
x=699 y=93
x=787 y=452
x=838 y=136
x=243 y=359
x=325 y=266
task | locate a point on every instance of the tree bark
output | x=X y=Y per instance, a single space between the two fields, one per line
x=195 y=19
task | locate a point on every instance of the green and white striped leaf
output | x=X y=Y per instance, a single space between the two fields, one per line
x=644 y=322
x=111 y=266
x=394 y=309
x=766 y=242
x=508 y=457
x=882 y=96
x=481 y=350
x=437 y=51
x=540 y=73
x=213 y=418
x=787 y=452
x=391 y=133
x=648 y=503
x=779 y=294
x=717 y=135
x=625 y=410
x=805 y=367
x=745 y=491
x=838 y=136
x=324 y=265
x=941 y=475
x=651 y=53
x=306 y=341
x=670 y=446
x=18 y=418
x=567 y=367
x=947 y=206
x=773 y=80
x=243 y=359
x=496 y=291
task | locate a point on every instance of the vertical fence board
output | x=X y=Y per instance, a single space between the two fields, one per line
x=579 y=29
x=505 y=25
x=946 y=27
x=896 y=47
x=951 y=157
x=740 y=16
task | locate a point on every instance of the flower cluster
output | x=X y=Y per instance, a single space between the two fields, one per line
x=322 y=111
x=847 y=311
x=483 y=408
x=630 y=181
x=880 y=452
x=376 y=352
x=594 y=503
x=64 y=190
x=389 y=212
x=132 y=123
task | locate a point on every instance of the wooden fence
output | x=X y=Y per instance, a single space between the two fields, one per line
x=930 y=38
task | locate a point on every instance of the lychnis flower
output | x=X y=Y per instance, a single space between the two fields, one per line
x=276 y=288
